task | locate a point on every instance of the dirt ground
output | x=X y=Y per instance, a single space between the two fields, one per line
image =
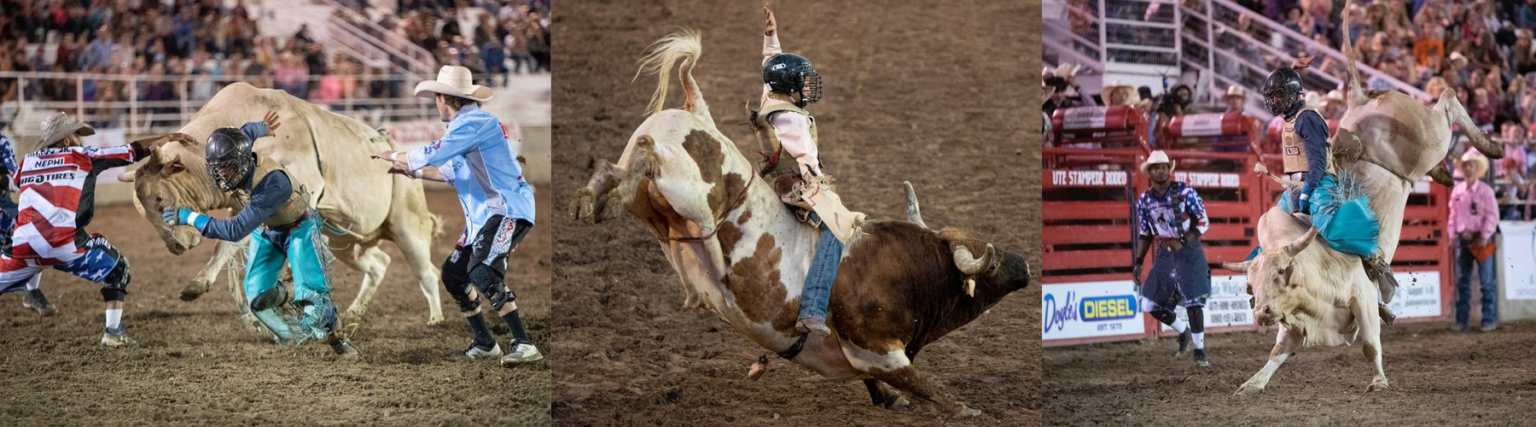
x=1437 y=377
x=196 y=364
x=933 y=95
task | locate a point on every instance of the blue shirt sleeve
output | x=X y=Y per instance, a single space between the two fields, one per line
x=254 y=130
x=1314 y=135
x=271 y=192
x=461 y=138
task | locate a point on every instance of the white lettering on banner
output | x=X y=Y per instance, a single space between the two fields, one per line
x=1418 y=294
x=1084 y=118
x=1209 y=179
x=1089 y=178
x=1083 y=310
x=1227 y=306
x=1201 y=125
x=1518 y=248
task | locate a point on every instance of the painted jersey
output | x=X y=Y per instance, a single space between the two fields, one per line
x=471 y=196
x=57 y=187
x=1166 y=215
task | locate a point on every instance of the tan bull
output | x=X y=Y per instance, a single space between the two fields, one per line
x=740 y=253
x=1317 y=295
x=326 y=154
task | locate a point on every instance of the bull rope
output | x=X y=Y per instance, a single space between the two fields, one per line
x=739 y=199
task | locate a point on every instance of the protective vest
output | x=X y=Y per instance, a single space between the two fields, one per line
x=1294 y=149
x=775 y=150
x=292 y=210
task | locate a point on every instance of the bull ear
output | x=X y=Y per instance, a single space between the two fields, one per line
x=174 y=167
x=1236 y=266
x=126 y=176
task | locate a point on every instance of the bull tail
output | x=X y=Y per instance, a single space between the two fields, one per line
x=1356 y=95
x=680 y=51
x=1457 y=114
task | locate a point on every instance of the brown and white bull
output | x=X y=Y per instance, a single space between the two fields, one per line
x=325 y=153
x=741 y=253
x=1318 y=296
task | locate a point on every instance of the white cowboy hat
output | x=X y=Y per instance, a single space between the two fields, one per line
x=1235 y=90
x=1067 y=70
x=1158 y=157
x=1473 y=161
x=58 y=126
x=1131 y=96
x=1335 y=95
x=1457 y=55
x=454 y=81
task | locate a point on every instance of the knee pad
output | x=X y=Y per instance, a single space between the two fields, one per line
x=1196 y=319
x=462 y=296
x=115 y=286
x=269 y=299
x=501 y=298
x=486 y=278
x=1164 y=315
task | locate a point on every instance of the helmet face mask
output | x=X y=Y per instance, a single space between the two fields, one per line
x=229 y=158
x=1279 y=102
x=1282 y=89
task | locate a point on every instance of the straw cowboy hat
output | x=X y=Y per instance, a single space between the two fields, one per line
x=454 y=81
x=1473 y=165
x=1131 y=97
x=1067 y=70
x=1158 y=157
x=1235 y=90
x=58 y=126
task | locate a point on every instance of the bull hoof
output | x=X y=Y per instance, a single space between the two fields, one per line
x=193 y=290
x=252 y=324
x=903 y=403
x=435 y=320
x=584 y=206
x=1249 y=389
x=965 y=412
x=1380 y=384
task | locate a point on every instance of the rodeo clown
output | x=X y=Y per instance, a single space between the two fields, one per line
x=789 y=84
x=57 y=184
x=34 y=298
x=1171 y=215
x=1341 y=213
x=477 y=157
x=276 y=215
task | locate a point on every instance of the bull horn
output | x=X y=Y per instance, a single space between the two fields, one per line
x=914 y=214
x=970 y=265
x=1301 y=242
x=1236 y=266
x=126 y=176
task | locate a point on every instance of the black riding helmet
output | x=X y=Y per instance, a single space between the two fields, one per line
x=788 y=73
x=229 y=150
x=1282 y=89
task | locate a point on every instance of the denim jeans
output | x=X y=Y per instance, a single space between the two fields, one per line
x=818 y=281
x=1464 y=265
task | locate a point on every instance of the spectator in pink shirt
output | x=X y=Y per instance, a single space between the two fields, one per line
x=1474 y=219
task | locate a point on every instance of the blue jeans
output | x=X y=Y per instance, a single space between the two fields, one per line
x=818 y=281
x=1464 y=262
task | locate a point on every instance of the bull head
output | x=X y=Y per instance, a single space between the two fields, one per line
x=1271 y=276
x=996 y=273
x=174 y=175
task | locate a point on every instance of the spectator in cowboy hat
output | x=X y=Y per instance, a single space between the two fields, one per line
x=1118 y=93
x=1236 y=99
x=1474 y=219
x=1068 y=75
x=1333 y=105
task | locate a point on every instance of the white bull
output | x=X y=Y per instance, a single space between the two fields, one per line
x=325 y=153
x=1317 y=295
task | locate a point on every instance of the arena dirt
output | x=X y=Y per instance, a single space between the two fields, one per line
x=933 y=94
x=196 y=364
x=1438 y=377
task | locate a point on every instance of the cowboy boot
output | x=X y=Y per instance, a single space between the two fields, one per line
x=1380 y=272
